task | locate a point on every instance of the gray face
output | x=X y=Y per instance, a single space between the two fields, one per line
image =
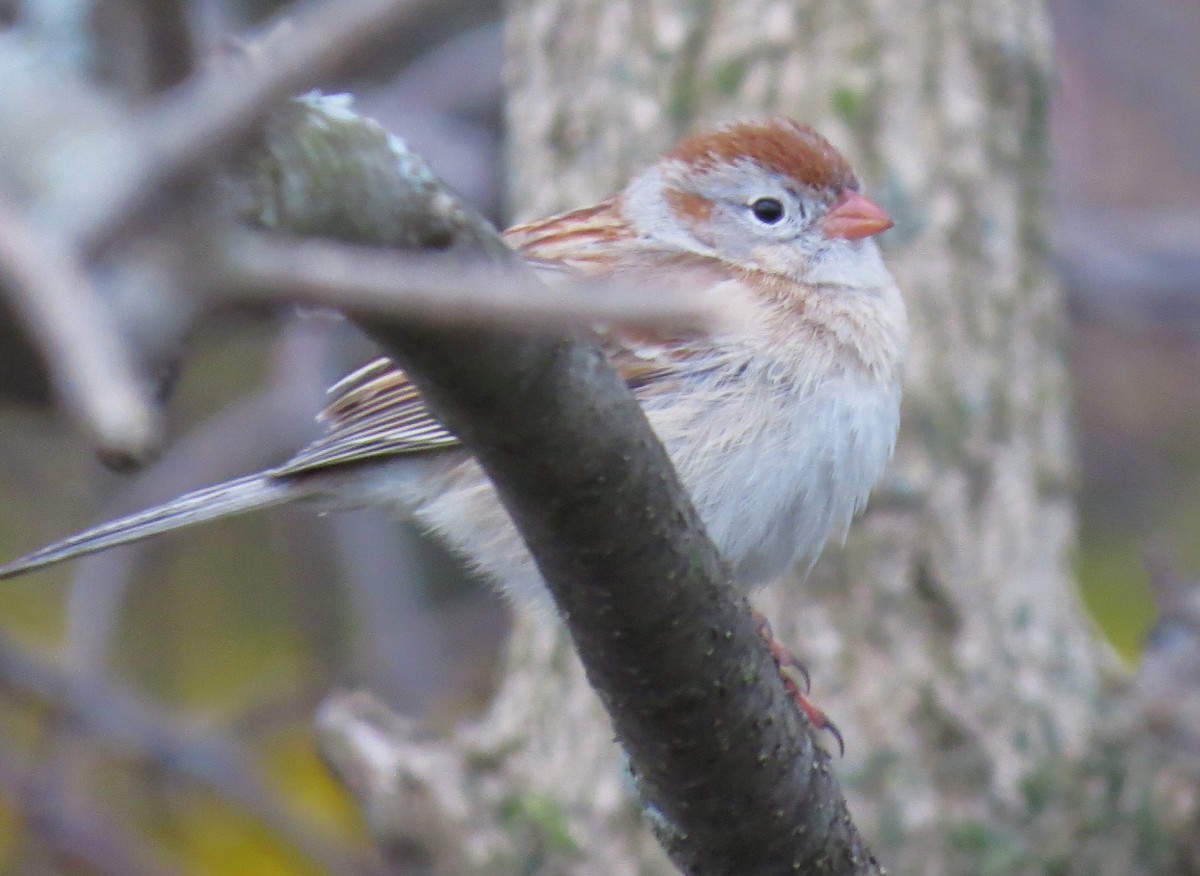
x=745 y=214
x=758 y=217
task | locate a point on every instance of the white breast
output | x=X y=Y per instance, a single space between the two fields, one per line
x=777 y=469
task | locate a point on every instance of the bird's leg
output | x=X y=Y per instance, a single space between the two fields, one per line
x=785 y=660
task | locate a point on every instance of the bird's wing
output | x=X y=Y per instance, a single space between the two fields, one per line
x=377 y=412
x=581 y=242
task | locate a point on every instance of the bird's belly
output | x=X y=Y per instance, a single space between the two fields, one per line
x=773 y=476
x=787 y=473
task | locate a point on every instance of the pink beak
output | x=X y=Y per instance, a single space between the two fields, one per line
x=854 y=217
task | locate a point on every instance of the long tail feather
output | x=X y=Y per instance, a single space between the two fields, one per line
x=232 y=497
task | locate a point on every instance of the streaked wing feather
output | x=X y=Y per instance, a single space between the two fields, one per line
x=376 y=412
x=582 y=240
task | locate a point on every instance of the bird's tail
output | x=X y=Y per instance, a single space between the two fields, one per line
x=232 y=497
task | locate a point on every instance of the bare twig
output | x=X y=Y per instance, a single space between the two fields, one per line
x=118 y=719
x=208 y=116
x=71 y=833
x=1132 y=267
x=89 y=364
x=463 y=72
x=445 y=290
x=141 y=47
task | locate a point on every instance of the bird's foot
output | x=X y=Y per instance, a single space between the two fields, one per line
x=786 y=660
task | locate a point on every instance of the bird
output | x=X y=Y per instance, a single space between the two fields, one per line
x=779 y=424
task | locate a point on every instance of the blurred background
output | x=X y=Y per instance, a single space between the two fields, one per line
x=1126 y=132
x=205 y=653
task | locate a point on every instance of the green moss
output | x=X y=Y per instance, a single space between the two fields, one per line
x=865 y=53
x=849 y=104
x=1115 y=588
x=993 y=848
x=728 y=78
x=1079 y=816
x=683 y=99
x=543 y=820
x=1038 y=791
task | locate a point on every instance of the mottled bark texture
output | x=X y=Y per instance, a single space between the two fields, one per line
x=947 y=638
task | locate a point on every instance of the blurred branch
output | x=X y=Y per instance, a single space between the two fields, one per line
x=142 y=46
x=120 y=720
x=105 y=164
x=1138 y=267
x=460 y=74
x=74 y=836
x=208 y=116
x=440 y=289
x=668 y=643
x=55 y=299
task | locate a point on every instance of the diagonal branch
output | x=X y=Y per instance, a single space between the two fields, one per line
x=208 y=116
x=55 y=298
x=92 y=839
x=727 y=768
x=117 y=719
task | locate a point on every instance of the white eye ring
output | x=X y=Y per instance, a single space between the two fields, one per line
x=768 y=211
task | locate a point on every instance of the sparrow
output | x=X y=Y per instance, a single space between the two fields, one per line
x=778 y=425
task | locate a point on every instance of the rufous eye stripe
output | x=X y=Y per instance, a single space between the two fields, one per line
x=689 y=206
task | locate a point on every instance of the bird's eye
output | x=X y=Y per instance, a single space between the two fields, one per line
x=767 y=210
